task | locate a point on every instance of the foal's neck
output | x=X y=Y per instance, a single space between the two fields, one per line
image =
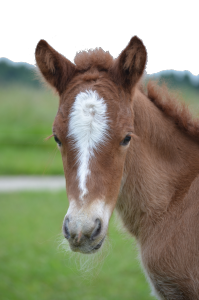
x=160 y=167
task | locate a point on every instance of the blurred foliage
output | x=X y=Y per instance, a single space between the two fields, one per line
x=18 y=73
x=27 y=74
x=174 y=81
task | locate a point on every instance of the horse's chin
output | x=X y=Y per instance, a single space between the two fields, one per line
x=88 y=250
x=97 y=247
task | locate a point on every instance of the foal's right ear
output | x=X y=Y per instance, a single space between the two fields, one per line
x=55 y=68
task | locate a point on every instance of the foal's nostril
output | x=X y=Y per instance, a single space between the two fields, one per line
x=77 y=233
x=97 y=229
x=65 y=229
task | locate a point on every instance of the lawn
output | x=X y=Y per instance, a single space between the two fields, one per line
x=26 y=118
x=32 y=266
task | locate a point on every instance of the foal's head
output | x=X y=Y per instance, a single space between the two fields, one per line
x=93 y=129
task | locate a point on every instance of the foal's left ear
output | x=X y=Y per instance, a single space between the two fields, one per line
x=130 y=64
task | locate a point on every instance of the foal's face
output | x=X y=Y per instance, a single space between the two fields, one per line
x=93 y=129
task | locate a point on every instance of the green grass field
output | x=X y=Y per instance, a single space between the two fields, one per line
x=26 y=118
x=33 y=268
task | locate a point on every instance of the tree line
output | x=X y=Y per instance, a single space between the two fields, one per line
x=25 y=74
x=18 y=73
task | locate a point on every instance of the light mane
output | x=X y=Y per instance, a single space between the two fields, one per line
x=178 y=111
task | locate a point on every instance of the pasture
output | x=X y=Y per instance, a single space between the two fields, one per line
x=26 y=118
x=32 y=267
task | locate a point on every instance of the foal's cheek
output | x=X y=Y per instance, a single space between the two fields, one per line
x=64 y=162
x=64 y=158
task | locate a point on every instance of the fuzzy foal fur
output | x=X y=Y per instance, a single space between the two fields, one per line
x=156 y=191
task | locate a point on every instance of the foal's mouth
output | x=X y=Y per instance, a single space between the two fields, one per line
x=98 y=246
x=86 y=249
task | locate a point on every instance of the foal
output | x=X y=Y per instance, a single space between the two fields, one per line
x=130 y=150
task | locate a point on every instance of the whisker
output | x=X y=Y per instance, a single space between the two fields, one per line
x=50 y=160
x=87 y=265
x=49 y=137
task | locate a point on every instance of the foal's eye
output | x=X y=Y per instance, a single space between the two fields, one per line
x=57 y=140
x=126 y=140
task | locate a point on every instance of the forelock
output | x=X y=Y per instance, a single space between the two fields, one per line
x=97 y=58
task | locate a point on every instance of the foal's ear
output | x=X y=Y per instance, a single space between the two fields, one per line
x=55 y=68
x=130 y=64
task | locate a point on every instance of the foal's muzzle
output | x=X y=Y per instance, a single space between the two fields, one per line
x=83 y=235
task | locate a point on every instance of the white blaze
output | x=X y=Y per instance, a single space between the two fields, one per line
x=88 y=127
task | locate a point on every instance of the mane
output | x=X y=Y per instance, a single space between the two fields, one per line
x=178 y=111
x=98 y=58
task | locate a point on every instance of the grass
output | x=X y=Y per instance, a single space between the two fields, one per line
x=32 y=268
x=26 y=118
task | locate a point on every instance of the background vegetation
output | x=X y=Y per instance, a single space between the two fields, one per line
x=31 y=267
x=26 y=118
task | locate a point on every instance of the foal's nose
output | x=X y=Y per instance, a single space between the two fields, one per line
x=77 y=232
